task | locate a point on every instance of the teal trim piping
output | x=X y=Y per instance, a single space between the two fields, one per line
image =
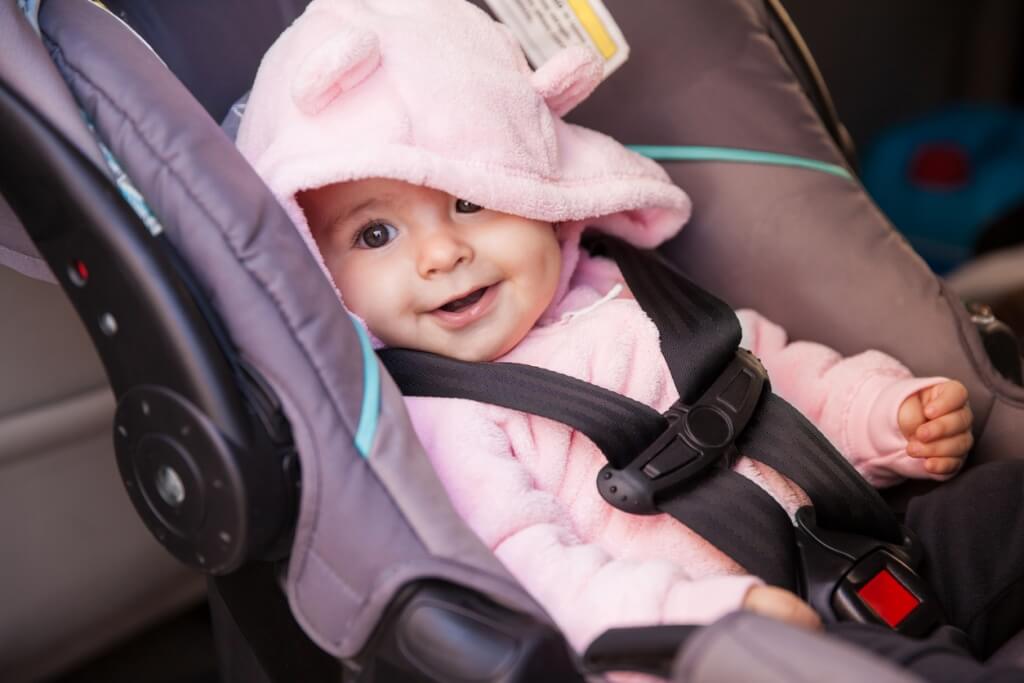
x=31 y=10
x=749 y=156
x=370 y=410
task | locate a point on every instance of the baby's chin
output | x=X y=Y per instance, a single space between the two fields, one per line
x=479 y=352
x=470 y=348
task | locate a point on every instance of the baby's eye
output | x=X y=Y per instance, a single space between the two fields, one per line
x=375 y=235
x=462 y=206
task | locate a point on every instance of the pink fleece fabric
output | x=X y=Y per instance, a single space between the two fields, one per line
x=436 y=93
x=525 y=484
x=433 y=92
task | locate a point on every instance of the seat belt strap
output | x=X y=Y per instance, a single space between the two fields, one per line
x=699 y=337
x=736 y=516
x=725 y=508
x=617 y=424
x=782 y=438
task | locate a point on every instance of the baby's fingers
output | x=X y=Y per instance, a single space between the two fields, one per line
x=944 y=398
x=943 y=465
x=949 y=424
x=949 y=447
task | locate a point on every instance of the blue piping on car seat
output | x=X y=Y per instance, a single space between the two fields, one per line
x=31 y=10
x=689 y=153
x=121 y=180
x=370 y=410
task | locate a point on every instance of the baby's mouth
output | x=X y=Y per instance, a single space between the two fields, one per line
x=467 y=309
x=456 y=305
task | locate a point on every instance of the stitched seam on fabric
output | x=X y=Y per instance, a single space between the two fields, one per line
x=171 y=172
x=244 y=263
x=358 y=599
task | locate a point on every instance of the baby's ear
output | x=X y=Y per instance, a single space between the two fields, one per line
x=568 y=77
x=341 y=63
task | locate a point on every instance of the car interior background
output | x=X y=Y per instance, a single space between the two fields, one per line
x=89 y=595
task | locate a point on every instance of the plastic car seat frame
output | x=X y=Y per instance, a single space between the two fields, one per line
x=204 y=450
x=172 y=367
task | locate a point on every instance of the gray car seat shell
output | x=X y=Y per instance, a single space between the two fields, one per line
x=245 y=255
x=240 y=250
x=732 y=88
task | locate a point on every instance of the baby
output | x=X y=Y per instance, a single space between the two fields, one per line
x=430 y=169
x=462 y=281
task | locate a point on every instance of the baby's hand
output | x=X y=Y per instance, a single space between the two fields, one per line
x=937 y=424
x=780 y=604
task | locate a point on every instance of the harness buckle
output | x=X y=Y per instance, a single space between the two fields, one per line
x=698 y=436
x=854 y=578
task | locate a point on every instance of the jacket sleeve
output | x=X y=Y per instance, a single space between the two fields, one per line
x=585 y=590
x=854 y=400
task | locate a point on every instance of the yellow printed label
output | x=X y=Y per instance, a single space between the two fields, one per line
x=544 y=27
x=594 y=28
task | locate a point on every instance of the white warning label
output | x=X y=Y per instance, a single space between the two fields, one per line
x=544 y=27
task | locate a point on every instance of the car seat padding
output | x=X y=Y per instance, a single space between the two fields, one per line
x=751 y=225
x=242 y=248
x=839 y=273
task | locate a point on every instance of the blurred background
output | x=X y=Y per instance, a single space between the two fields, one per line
x=932 y=92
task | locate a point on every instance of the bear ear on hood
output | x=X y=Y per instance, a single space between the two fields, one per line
x=568 y=77
x=339 y=64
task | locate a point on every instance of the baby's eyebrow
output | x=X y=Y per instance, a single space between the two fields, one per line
x=349 y=211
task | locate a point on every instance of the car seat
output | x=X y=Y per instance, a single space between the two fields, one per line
x=252 y=416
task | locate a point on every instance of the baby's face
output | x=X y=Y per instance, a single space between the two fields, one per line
x=428 y=271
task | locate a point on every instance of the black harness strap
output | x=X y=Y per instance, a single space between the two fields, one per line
x=699 y=337
x=782 y=438
x=699 y=333
x=704 y=333
x=617 y=424
x=736 y=516
x=755 y=531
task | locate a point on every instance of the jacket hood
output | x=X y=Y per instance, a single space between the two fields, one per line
x=436 y=93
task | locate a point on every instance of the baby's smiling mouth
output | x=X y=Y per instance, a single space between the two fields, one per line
x=456 y=305
x=468 y=308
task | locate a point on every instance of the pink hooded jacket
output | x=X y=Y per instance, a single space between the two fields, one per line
x=433 y=92
x=526 y=484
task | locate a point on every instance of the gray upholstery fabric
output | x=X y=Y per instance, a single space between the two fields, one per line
x=213 y=78
x=706 y=73
x=16 y=249
x=365 y=525
x=26 y=69
x=746 y=647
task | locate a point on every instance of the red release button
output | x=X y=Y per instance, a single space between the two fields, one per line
x=888 y=598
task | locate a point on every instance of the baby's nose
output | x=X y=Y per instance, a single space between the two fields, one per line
x=441 y=251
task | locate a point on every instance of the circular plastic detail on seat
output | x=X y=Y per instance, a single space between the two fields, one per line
x=181 y=476
x=708 y=426
x=170 y=482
